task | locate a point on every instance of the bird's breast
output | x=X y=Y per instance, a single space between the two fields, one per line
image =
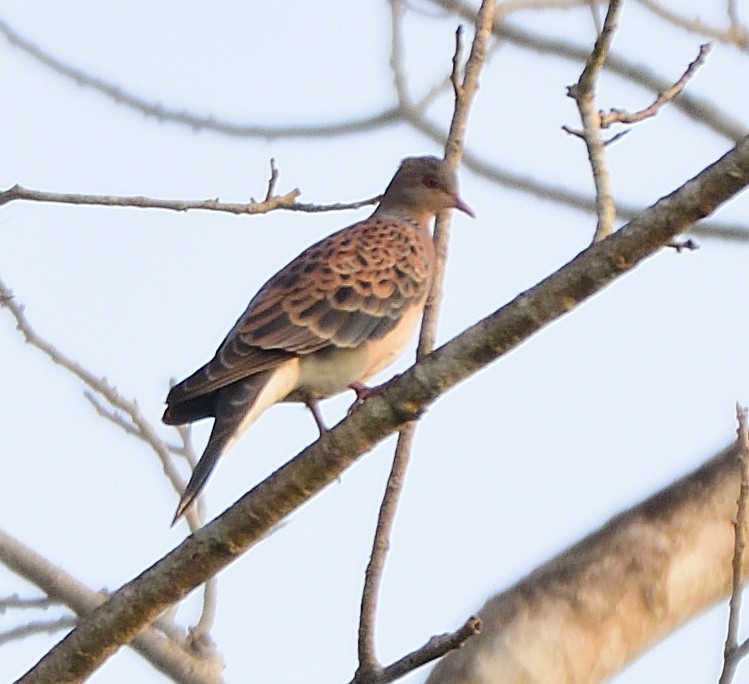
x=333 y=369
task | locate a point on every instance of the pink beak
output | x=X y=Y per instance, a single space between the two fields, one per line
x=458 y=203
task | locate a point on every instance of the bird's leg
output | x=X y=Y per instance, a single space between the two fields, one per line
x=314 y=408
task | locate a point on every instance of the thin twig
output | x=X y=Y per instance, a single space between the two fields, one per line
x=730 y=659
x=335 y=206
x=663 y=98
x=167 y=655
x=583 y=92
x=111 y=415
x=100 y=386
x=272 y=181
x=698 y=109
x=369 y=669
x=435 y=648
x=20 y=193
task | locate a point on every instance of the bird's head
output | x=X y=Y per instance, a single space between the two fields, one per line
x=421 y=187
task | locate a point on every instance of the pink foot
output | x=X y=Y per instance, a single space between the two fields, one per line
x=362 y=392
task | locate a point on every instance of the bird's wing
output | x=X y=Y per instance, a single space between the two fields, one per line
x=350 y=288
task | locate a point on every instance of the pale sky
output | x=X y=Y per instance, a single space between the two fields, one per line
x=619 y=398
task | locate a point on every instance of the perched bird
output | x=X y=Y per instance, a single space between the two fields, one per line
x=340 y=312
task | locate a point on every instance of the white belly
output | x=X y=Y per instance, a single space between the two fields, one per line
x=332 y=370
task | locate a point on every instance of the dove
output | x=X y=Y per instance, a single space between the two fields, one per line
x=336 y=315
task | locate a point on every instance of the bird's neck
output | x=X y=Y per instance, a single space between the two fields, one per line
x=402 y=213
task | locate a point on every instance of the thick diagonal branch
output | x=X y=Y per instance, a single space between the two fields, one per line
x=213 y=547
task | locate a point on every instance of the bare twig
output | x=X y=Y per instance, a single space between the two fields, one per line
x=165 y=654
x=583 y=92
x=111 y=415
x=730 y=651
x=698 y=109
x=19 y=193
x=272 y=181
x=335 y=206
x=141 y=427
x=663 y=98
x=128 y=417
x=435 y=648
x=369 y=669
x=564 y=196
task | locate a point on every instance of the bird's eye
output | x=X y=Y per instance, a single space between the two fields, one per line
x=431 y=182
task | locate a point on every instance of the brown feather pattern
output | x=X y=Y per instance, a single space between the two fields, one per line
x=349 y=288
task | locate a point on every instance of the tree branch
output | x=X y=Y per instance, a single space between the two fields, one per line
x=435 y=648
x=213 y=547
x=664 y=97
x=369 y=669
x=287 y=201
x=139 y=426
x=162 y=653
x=583 y=92
x=731 y=656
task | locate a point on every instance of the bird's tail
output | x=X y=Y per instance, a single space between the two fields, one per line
x=234 y=406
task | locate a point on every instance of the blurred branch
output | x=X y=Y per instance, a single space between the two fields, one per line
x=735 y=35
x=194 y=121
x=36 y=627
x=581 y=616
x=162 y=653
x=698 y=109
x=400 y=401
x=593 y=4
x=583 y=92
x=15 y=601
x=287 y=201
x=733 y=13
